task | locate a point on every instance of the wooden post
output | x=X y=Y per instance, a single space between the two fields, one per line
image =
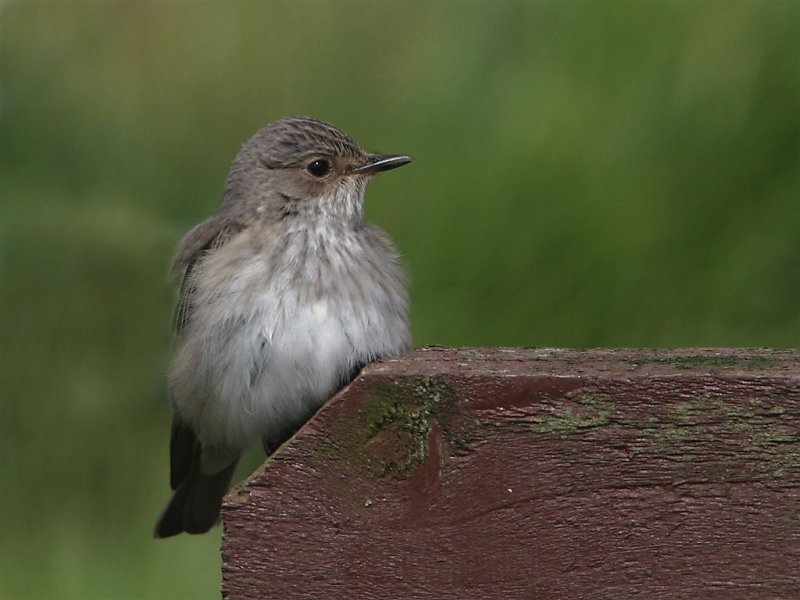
x=515 y=473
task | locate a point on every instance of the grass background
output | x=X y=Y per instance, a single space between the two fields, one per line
x=586 y=174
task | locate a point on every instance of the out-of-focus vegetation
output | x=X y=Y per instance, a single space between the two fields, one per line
x=586 y=174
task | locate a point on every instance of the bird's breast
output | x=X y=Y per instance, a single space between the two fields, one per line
x=279 y=324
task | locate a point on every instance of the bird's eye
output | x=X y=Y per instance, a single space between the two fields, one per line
x=319 y=167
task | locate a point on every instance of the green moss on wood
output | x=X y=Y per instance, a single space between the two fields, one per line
x=399 y=417
x=693 y=361
x=696 y=429
x=734 y=428
x=585 y=412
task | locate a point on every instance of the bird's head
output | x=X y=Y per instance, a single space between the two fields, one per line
x=302 y=166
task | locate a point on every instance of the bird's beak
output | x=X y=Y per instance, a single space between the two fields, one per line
x=376 y=163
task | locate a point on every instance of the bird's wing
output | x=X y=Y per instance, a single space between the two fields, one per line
x=195 y=505
x=208 y=235
x=212 y=233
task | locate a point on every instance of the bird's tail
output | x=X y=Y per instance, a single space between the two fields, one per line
x=197 y=499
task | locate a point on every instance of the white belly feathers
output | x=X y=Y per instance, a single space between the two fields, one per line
x=287 y=342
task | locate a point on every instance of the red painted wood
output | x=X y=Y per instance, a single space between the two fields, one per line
x=511 y=473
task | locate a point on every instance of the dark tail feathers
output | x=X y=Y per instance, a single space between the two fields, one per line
x=195 y=505
x=196 y=502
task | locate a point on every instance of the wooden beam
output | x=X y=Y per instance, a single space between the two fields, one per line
x=516 y=473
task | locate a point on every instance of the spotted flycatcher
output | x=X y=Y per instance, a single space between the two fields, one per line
x=287 y=293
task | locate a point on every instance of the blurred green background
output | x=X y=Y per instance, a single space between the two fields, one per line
x=586 y=174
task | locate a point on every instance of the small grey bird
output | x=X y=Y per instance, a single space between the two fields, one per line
x=287 y=293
